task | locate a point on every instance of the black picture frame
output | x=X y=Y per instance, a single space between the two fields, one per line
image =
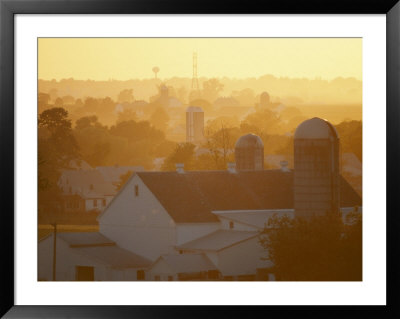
x=8 y=10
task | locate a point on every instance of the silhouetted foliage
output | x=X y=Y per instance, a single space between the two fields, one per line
x=123 y=179
x=57 y=146
x=183 y=153
x=318 y=249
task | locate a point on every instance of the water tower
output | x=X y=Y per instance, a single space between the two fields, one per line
x=249 y=153
x=194 y=124
x=316 y=168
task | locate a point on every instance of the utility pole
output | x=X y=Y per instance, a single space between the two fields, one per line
x=54 y=250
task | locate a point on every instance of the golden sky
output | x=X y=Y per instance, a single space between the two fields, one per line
x=129 y=58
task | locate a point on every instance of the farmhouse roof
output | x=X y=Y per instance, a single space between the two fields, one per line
x=192 y=196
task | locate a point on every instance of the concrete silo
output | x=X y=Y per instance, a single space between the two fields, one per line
x=249 y=153
x=316 y=168
x=194 y=124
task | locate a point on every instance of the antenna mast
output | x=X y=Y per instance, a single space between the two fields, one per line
x=195 y=80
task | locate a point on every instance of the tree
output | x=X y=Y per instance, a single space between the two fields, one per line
x=127 y=115
x=319 y=249
x=245 y=97
x=160 y=119
x=262 y=122
x=220 y=144
x=126 y=96
x=86 y=121
x=123 y=179
x=184 y=154
x=211 y=89
x=56 y=145
x=43 y=101
x=350 y=133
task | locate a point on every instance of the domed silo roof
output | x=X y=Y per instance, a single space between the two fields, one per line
x=315 y=128
x=194 y=109
x=249 y=141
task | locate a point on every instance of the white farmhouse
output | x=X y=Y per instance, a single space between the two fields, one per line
x=85 y=190
x=86 y=257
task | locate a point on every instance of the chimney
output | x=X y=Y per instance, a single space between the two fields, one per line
x=232 y=168
x=284 y=166
x=180 y=168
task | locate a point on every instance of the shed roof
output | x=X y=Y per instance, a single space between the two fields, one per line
x=85 y=239
x=192 y=196
x=115 y=256
x=188 y=263
x=218 y=240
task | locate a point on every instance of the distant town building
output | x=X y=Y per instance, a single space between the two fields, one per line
x=194 y=124
x=225 y=102
x=316 y=168
x=249 y=153
x=85 y=190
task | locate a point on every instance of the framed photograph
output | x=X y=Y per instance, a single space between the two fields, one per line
x=167 y=154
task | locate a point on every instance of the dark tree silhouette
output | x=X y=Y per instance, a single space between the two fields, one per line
x=319 y=249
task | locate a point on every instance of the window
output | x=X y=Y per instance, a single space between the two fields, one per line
x=104 y=202
x=95 y=202
x=140 y=275
x=231 y=225
x=136 y=190
x=157 y=277
x=84 y=273
x=170 y=278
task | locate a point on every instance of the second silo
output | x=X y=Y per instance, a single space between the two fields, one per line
x=316 y=168
x=194 y=124
x=249 y=153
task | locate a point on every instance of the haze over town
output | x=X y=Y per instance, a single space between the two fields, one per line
x=134 y=116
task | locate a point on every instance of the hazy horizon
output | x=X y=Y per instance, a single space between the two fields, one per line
x=102 y=59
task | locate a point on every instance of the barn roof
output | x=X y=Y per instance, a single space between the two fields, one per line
x=115 y=256
x=219 y=240
x=192 y=196
x=104 y=250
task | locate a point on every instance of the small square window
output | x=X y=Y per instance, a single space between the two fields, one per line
x=157 y=278
x=170 y=278
x=231 y=225
x=136 y=190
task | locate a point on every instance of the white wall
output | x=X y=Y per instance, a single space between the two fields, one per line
x=89 y=204
x=139 y=224
x=66 y=260
x=187 y=232
x=162 y=269
x=241 y=259
x=236 y=225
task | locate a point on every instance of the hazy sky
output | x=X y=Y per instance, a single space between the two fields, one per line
x=128 y=58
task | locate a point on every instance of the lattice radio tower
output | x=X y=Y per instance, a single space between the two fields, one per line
x=195 y=80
